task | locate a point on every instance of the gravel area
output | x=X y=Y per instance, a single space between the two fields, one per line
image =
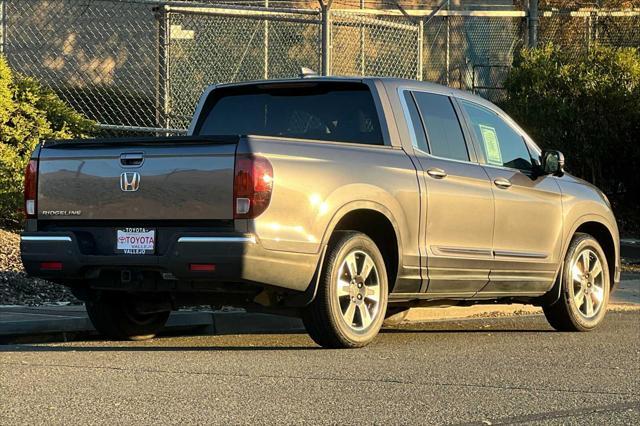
x=631 y=267
x=16 y=288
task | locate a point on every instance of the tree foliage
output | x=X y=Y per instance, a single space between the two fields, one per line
x=587 y=106
x=29 y=113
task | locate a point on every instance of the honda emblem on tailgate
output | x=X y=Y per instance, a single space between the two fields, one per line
x=130 y=181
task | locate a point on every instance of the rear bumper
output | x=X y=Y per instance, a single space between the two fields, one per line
x=236 y=258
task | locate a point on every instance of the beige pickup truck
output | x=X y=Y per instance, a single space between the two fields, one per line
x=339 y=200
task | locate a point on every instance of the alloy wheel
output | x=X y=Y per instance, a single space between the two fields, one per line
x=358 y=290
x=587 y=283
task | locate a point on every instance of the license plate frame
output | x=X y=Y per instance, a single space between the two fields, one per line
x=137 y=241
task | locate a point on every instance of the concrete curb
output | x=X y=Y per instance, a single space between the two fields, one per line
x=630 y=249
x=485 y=311
x=19 y=322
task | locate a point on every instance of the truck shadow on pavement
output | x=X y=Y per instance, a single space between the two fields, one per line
x=483 y=330
x=49 y=348
x=249 y=341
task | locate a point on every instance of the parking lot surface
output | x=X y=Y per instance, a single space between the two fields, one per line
x=496 y=370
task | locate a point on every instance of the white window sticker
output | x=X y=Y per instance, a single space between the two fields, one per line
x=491 y=144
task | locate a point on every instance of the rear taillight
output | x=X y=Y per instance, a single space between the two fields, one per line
x=30 y=188
x=202 y=267
x=252 y=186
x=51 y=266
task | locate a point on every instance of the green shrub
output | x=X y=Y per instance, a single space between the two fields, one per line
x=587 y=106
x=29 y=113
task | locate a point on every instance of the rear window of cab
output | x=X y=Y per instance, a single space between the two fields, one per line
x=336 y=112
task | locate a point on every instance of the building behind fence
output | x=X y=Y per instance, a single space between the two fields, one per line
x=142 y=64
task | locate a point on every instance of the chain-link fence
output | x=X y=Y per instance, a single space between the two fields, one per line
x=142 y=64
x=576 y=31
x=202 y=46
x=100 y=56
x=368 y=44
x=464 y=49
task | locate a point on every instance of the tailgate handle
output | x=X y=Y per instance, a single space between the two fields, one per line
x=131 y=159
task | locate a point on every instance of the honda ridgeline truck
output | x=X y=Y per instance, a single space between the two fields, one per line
x=339 y=200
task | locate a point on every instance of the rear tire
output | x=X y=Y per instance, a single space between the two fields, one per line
x=585 y=286
x=351 y=301
x=116 y=317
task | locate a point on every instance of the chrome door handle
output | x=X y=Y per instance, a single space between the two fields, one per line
x=436 y=173
x=502 y=182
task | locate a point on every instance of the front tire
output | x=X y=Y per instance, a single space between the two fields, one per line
x=351 y=301
x=585 y=286
x=117 y=317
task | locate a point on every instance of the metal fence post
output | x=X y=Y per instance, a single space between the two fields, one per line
x=362 y=65
x=325 y=9
x=163 y=90
x=420 y=49
x=534 y=21
x=266 y=44
x=3 y=26
x=592 y=29
x=588 y=22
x=448 y=46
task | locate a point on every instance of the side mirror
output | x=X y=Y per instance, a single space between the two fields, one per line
x=552 y=162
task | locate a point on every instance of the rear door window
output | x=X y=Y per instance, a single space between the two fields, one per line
x=338 y=112
x=444 y=134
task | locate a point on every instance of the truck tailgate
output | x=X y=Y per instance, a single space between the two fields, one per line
x=137 y=178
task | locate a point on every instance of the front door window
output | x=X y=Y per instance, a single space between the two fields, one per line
x=500 y=143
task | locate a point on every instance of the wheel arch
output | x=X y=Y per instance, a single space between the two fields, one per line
x=378 y=223
x=604 y=237
x=597 y=227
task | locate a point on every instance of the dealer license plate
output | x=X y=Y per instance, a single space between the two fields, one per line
x=135 y=241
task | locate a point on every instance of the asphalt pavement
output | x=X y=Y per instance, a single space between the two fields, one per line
x=489 y=370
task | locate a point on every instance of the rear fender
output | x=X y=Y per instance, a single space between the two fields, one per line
x=308 y=296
